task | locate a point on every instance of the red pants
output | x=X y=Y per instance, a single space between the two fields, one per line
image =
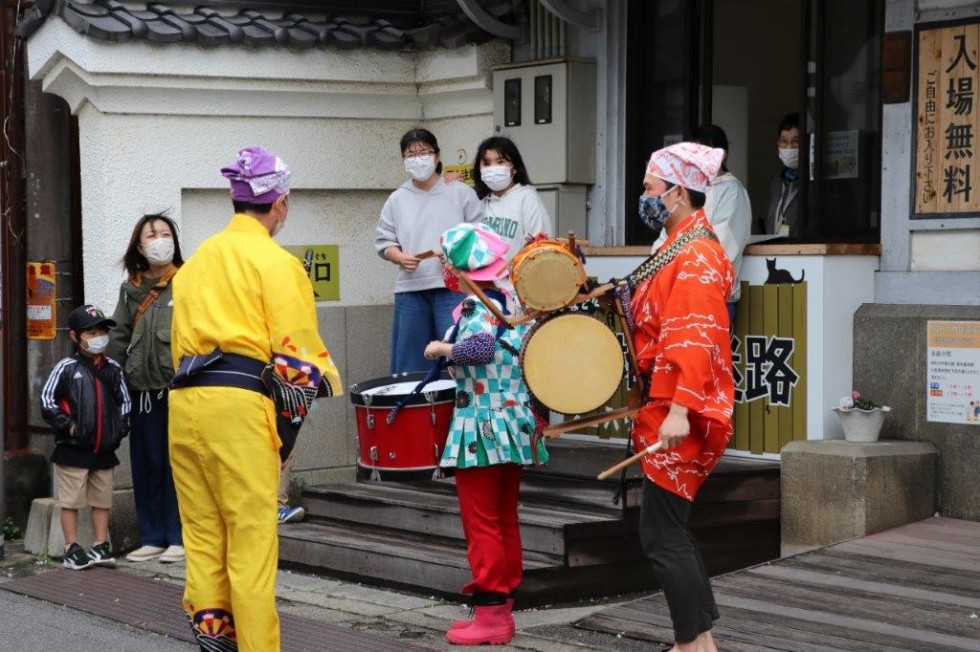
x=488 y=507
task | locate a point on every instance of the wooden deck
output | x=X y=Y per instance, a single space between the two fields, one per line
x=916 y=587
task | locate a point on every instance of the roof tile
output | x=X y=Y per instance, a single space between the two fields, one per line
x=109 y=20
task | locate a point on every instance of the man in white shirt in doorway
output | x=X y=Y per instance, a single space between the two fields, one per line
x=727 y=207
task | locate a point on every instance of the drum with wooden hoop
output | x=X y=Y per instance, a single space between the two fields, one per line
x=409 y=446
x=546 y=275
x=572 y=363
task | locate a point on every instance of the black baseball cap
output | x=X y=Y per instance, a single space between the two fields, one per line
x=87 y=316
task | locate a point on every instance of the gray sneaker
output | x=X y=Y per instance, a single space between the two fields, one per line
x=75 y=558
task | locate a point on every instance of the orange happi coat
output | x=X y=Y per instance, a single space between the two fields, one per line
x=683 y=347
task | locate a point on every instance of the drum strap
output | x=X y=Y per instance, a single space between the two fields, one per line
x=436 y=371
x=666 y=255
x=652 y=265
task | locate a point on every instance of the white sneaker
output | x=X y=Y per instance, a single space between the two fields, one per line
x=172 y=554
x=145 y=553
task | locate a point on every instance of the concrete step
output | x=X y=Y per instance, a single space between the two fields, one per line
x=431 y=565
x=432 y=508
x=394 y=557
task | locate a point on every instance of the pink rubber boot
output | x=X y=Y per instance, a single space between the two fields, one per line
x=492 y=626
x=460 y=624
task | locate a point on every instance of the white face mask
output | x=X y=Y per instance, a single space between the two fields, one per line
x=159 y=251
x=790 y=156
x=497 y=177
x=420 y=168
x=97 y=344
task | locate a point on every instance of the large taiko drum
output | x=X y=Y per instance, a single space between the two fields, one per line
x=410 y=446
x=546 y=275
x=572 y=363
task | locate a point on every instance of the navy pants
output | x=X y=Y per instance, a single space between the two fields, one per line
x=670 y=546
x=420 y=317
x=153 y=480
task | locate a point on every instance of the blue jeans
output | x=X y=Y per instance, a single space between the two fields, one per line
x=153 y=480
x=420 y=317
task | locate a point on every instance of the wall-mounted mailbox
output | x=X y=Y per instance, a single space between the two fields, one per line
x=554 y=125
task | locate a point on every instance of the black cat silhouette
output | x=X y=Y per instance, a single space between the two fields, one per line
x=777 y=276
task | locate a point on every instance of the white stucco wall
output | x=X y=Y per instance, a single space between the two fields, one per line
x=923 y=261
x=156 y=123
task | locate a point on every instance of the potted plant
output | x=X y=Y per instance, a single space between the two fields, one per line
x=861 y=418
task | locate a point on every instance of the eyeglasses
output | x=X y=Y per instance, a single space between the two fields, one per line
x=417 y=154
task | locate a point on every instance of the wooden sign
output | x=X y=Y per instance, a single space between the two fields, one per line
x=42 y=314
x=947 y=154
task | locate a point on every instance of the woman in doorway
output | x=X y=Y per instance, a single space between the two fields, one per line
x=681 y=338
x=410 y=224
x=140 y=343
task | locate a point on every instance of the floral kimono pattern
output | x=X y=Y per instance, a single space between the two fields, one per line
x=492 y=422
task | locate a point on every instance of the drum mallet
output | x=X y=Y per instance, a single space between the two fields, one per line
x=491 y=306
x=652 y=448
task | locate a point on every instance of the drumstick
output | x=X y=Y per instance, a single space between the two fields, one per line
x=621 y=313
x=530 y=315
x=597 y=292
x=652 y=448
x=427 y=254
x=491 y=306
x=594 y=420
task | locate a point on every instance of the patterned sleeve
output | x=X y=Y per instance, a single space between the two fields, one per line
x=479 y=325
x=299 y=354
x=476 y=350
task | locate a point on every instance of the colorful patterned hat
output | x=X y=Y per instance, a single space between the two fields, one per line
x=690 y=165
x=476 y=250
x=257 y=176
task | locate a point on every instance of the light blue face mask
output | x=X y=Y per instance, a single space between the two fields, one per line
x=653 y=211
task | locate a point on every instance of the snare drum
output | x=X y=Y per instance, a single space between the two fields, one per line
x=410 y=447
x=546 y=275
x=573 y=363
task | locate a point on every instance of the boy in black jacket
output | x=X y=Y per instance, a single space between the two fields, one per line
x=86 y=403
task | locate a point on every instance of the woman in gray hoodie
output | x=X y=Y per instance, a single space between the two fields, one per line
x=412 y=219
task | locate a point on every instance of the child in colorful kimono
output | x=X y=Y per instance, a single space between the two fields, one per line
x=491 y=437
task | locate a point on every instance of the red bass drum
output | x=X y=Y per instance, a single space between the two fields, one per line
x=408 y=448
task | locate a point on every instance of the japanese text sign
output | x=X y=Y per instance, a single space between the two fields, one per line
x=947 y=156
x=953 y=372
x=322 y=264
x=41 y=313
x=464 y=170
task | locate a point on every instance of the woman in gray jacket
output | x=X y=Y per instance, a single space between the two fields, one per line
x=140 y=342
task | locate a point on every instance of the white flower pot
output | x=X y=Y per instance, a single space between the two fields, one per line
x=862 y=426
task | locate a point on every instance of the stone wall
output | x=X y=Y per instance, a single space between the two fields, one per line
x=890 y=367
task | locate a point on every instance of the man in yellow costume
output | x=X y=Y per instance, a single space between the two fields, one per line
x=244 y=329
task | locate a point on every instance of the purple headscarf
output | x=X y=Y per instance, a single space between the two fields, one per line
x=257 y=176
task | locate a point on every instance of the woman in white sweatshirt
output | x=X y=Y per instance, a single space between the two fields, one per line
x=413 y=218
x=511 y=205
